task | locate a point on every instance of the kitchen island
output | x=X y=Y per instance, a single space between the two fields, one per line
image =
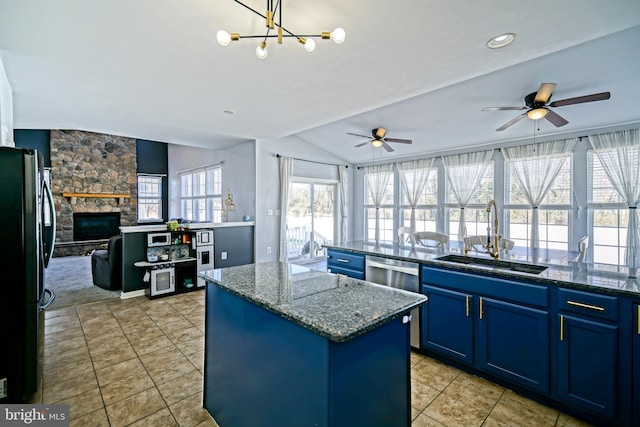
x=290 y=346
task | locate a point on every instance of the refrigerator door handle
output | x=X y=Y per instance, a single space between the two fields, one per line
x=52 y=297
x=52 y=211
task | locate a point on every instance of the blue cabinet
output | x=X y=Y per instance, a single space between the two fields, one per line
x=636 y=363
x=348 y=263
x=447 y=323
x=587 y=374
x=513 y=343
x=507 y=337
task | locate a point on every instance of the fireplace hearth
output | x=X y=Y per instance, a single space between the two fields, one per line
x=95 y=225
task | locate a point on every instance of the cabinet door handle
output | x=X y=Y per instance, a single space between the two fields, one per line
x=467 y=304
x=638 y=319
x=561 y=327
x=583 y=305
x=342 y=260
x=481 y=308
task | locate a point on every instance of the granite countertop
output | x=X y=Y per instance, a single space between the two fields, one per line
x=561 y=271
x=332 y=305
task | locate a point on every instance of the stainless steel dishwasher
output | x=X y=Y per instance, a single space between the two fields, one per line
x=397 y=274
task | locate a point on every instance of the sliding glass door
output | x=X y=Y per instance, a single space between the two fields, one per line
x=310 y=219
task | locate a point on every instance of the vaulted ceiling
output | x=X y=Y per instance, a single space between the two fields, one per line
x=153 y=70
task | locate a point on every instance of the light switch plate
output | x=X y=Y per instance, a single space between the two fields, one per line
x=223 y=255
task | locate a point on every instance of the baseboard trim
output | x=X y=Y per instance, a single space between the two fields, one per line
x=132 y=294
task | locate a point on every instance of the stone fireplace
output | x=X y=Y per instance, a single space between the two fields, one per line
x=91 y=173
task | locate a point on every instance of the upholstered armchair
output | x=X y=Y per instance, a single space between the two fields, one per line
x=106 y=265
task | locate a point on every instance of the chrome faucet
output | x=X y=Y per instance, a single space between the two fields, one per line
x=493 y=247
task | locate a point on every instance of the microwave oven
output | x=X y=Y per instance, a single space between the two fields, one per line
x=158 y=239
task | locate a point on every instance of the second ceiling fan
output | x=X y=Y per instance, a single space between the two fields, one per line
x=379 y=139
x=537 y=106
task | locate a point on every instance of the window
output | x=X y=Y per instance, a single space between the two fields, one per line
x=201 y=194
x=475 y=214
x=149 y=198
x=385 y=212
x=608 y=216
x=553 y=213
x=427 y=208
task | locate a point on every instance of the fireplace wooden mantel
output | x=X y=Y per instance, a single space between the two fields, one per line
x=74 y=196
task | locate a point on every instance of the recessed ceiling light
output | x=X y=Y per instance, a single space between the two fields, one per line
x=501 y=40
x=229 y=112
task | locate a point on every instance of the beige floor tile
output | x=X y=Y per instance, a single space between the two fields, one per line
x=125 y=387
x=118 y=371
x=141 y=325
x=83 y=403
x=423 y=420
x=52 y=360
x=209 y=422
x=94 y=419
x=416 y=358
x=88 y=311
x=470 y=388
x=565 y=420
x=64 y=346
x=106 y=335
x=189 y=412
x=422 y=395
x=67 y=311
x=54 y=374
x=191 y=346
x=160 y=356
x=161 y=373
x=63 y=335
x=453 y=412
x=149 y=346
x=135 y=408
x=162 y=418
x=115 y=355
x=181 y=387
x=197 y=360
x=60 y=323
x=513 y=408
x=185 y=334
x=62 y=390
x=175 y=326
x=434 y=374
x=100 y=347
x=100 y=326
x=145 y=334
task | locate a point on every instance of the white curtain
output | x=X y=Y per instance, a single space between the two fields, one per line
x=535 y=167
x=377 y=179
x=342 y=173
x=619 y=153
x=419 y=170
x=286 y=168
x=464 y=172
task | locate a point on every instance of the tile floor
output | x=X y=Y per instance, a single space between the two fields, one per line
x=139 y=362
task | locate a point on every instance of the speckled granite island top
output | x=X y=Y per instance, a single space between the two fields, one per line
x=561 y=271
x=334 y=306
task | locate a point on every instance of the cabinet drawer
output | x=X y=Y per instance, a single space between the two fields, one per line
x=345 y=260
x=356 y=274
x=507 y=290
x=594 y=305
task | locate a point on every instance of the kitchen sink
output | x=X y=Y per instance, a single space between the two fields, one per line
x=494 y=263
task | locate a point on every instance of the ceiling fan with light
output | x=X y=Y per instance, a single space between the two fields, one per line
x=379 y=139
x=537 y=106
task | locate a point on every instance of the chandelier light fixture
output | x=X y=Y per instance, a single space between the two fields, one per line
x=307 y=40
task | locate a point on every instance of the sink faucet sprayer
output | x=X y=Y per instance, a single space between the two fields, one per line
x=493 y=248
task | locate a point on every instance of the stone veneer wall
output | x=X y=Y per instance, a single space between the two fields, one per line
x=86 y=162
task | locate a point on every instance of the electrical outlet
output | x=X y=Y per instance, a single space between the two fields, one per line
x=277 y=212
x=223 y=255
x=270 y=212
x=268 y=249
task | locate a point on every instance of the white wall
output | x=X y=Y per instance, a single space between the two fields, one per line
x=6 y=109
x=238 y=174
x=267 y=186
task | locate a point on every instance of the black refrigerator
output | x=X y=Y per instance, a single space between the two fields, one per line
x=27 y=235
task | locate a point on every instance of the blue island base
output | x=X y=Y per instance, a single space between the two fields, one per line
x=264 y=370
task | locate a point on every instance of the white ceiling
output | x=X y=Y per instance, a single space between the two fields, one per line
x=152 y=69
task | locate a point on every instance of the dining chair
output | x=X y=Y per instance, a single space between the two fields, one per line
x=405 y=234
x=431 y=239
x=583 y=244
x=478 y=243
